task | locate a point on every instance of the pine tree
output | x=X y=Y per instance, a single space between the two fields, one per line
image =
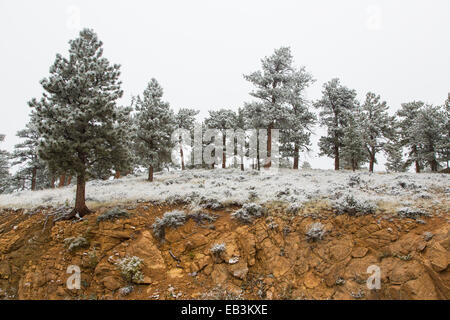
x=353 y=151
x=222 y=120
x=298 y=122
x=272 y=89
x=444 y=143
x=154 y=125
x=77 y=117
x=4 y=168
x=428 y=131
x=408 y=138
x=377 y=126
x=185 y=119
x=26 y=153
x=394 y=152
x=337 y=104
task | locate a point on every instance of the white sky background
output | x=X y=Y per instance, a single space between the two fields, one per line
x=199 y=50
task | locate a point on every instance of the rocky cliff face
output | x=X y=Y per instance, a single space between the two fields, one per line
x=273 y=257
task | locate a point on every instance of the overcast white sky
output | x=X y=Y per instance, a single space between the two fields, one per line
x=199 y=50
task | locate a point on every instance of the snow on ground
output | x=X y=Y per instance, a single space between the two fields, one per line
x=231 y=186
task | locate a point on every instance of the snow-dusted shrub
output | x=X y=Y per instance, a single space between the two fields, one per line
x=171 y=219
x=427 y=235
x=350 y=205
x=293 y=208
x=218 y=293
x=211 y=203
x=201 y=217
x=75 y=243
x=248 y=212
x=218 y=249
x=315 y=232
x=125 y=290
x=130 y=268
x=413 y=213
x=354 y=180
x=113 y=214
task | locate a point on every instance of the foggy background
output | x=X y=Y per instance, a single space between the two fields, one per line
x=199 y=50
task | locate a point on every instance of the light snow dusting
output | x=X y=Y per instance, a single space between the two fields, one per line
x=216 y=188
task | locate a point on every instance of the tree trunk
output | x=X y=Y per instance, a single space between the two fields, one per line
x=242 y=163
x=62 y=180
x=268 y=162
x=224 y=156
x=296 y=156
x=372 y=160
x=353 y=164
x=80 y=200
x=117 y=175
x=181 y=155
x=69 y=180
x=336 y=157
x=150 y=173
x=33 y=179
x=52 y=182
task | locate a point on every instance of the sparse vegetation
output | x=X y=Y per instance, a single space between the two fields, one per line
x=315 y=232
x=218 y=249
x=130 y=268
x=74 y=243
x=172 y=219
x=249 y=212
x=113 y=214
x=349 y=204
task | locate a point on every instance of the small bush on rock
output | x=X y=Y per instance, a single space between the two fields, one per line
x=171 y=219
x=315 y=232
x=130 y=268
x=113 y=214
x=75 y=243
x=352 y=206
x=413 y=213
x=218 y=249
x=248 y=212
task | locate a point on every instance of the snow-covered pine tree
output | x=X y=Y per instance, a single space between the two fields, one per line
x=428 y=131
x=444 y=144
x=4 y=168
x=25 y=153
x=254 y=118
x=241 y=124
x=336 y=106
x=272 y=89
x=298 y=121
x=353 y=150
x=155 y=123
x=377 y=126
x=394 y=152
x=77 y=118
x=407 y=115
x=185 y=119
x=222 y=120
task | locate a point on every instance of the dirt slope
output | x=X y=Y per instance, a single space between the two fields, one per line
x=268 y=259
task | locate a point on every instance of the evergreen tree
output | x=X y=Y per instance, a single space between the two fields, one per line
x=428 y=131
x=185 y=119
x=297 y=128
x=353 y=151
x=4 y=168
x=394 y=152
x=336 y=106
x=272 y=90
x=77 y=118
x=377 y=127
x=444 y=143
x=408 y=138
x=222 y=120
x=154 y=125
x=26 y=153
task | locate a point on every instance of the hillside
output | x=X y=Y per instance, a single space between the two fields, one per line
x=216 y=234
